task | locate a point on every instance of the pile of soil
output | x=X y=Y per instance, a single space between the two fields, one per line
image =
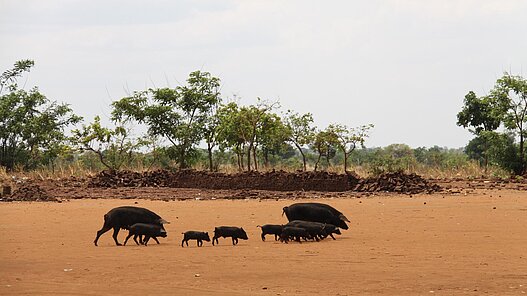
x=158 y=178
x=30 y=192
x=396 y=182
x=273 y=180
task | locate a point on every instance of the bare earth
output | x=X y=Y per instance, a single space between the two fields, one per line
x=440 y=244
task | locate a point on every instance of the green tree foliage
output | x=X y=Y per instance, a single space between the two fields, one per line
x=324 y=145
x=347 y=139
x=495 y=149
x=271 y=137
x=31 y=126
x=301 y=130
x=245 y=128
x=179 y=115
x=392 y=158
x=481 y=115
x=511 y=92
x=8 y=78
x=114 y=147
x=232 y=130
x=506 y=105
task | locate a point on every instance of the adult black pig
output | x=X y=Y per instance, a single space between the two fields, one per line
x=126 y=216
x=229 y=231
x=148 y=230
x=316 y=212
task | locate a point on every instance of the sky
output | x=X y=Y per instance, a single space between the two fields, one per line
x=404 y=66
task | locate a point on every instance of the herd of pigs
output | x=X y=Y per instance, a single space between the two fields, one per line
x=307 y=221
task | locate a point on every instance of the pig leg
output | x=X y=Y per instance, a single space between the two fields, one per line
x=147 y=238
x=199 y=242
x=214 y=239
x=331 y=234
x=135 y=239
x=263 y=236
x=100 y=232
x=154 y=238
x=115 y=233
x=182 y=241
x=275 y=237
x=129 y=235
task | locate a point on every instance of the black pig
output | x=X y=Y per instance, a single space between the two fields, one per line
x=124 y=217
x=316 y=212
x=271 y=229
x=197 y=235
x=296 y=233
x=229 y=231
x=148 y=230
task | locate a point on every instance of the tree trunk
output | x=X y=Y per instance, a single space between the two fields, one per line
x=239 y=163
x=303 y=156
x=346 y=155
x=522 y=156
x=182 y=163
x=255 y=159
x=249 y=156
x=318 y=160
x=209 y=149
x=266 y=158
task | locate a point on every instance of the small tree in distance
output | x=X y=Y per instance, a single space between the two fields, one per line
x=347 y=139
x=114 y=147
x=301 y=130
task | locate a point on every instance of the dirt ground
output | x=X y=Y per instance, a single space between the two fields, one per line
x=439 y=244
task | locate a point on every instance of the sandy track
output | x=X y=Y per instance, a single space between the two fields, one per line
x=395 y=246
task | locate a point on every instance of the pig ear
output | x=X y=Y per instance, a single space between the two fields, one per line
x=163 y=221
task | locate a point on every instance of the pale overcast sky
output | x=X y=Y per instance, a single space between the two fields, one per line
x=404 y=66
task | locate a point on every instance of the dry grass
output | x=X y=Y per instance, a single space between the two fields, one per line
x=472 y=170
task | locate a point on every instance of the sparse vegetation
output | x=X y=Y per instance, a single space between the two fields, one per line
x=181 y=121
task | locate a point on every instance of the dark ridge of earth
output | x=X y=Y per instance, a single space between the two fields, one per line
x=275 y=180
x=166 y=185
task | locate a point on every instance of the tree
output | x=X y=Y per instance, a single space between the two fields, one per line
x=179 y=115
x=8 y=78
x=347 y=139
x=231 y=131
x=301 y=131
x=323 y=144
x=114 y=147
x=31 y=126
x=511 y=93
x=496 y=148
x=243 y=129
x=271 y=136
x=252 y=117
x=210 y=133
x=481 y=115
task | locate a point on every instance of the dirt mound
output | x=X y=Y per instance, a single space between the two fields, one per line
x=158 y=178
x=273 y=180
x=30 y=192
x=396 y=182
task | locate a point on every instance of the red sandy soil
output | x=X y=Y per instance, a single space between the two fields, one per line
x=441 y=244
